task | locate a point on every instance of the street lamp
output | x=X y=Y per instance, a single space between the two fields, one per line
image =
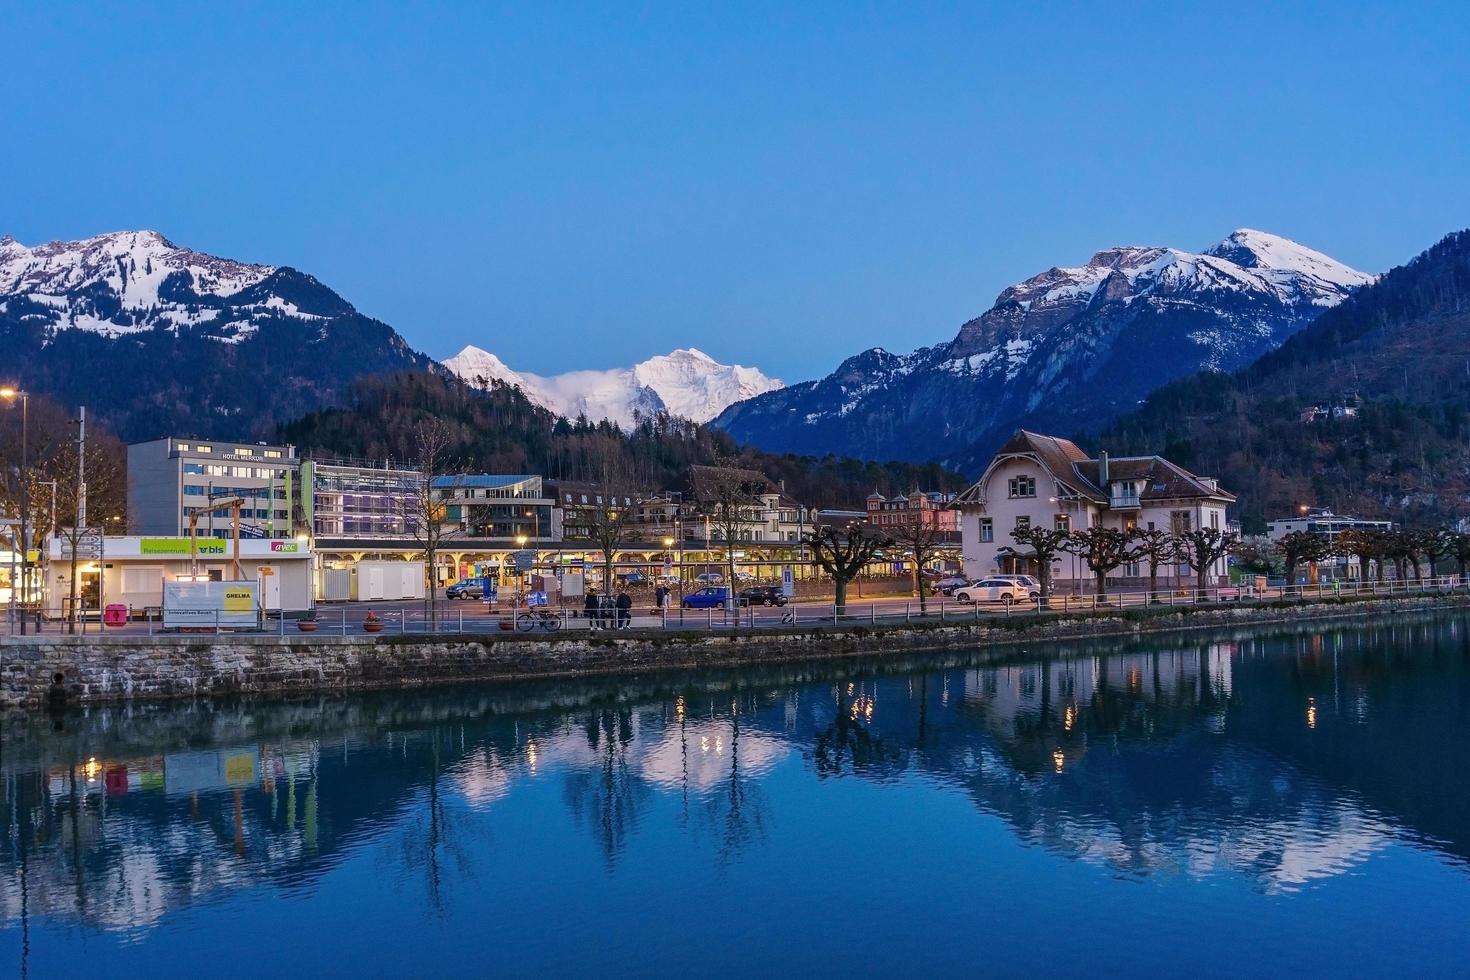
x=10 y=394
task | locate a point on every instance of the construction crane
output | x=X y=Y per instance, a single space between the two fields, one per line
x=216 y=502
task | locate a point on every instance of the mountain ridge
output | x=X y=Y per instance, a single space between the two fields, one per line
x=1069 y=347
x=686 y=382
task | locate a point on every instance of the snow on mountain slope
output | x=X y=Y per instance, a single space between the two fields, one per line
x=687 y=383
x=1068 y=348
x=127 y=281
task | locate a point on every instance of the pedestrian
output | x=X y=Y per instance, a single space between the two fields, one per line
x=589 y=608
x=661 y=598
x=625 y=609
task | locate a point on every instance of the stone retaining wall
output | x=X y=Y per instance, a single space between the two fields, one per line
x=121 y=668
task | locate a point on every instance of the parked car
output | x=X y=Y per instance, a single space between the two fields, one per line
x=710 y=597
x=744 y=577
x=763 y=595
x=994 y=590
x=709 y=578
x=947 y=585
x=1029 y=581
x=465 y=590
x=634 y=578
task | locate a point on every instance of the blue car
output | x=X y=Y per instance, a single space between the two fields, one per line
x=711 y=597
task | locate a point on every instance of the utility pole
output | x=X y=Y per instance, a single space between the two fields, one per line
x=81 y=515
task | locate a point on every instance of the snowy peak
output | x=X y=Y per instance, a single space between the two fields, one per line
x=1260 y=250
x=687 y=383
x=125 y=282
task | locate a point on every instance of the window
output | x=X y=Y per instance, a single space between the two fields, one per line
x=1022 y=522
x=204 y=449
x=1023 y=486
x=182 y=447
x=1215 y=519
x=987 y=529
x=194 y=489
x=272 y=454
x=1179 y=521
x=1062 y=522
x=244 y=451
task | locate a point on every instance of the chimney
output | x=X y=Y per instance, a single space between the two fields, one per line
x=1102 y=470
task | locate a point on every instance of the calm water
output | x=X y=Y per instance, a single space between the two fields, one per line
x=1261 y=804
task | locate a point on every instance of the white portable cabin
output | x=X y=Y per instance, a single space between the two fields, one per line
x=389 y=581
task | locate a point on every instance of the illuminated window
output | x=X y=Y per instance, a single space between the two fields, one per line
x=1062 y=522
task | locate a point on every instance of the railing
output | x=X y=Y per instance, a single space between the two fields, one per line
x=451 y=618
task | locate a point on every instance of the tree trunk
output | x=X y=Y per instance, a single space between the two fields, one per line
x=840 y=604
x=1290 y=570
x=1153 y=582
x=1102 y=583
x=919 y=587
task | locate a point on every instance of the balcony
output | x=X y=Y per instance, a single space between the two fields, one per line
x=1123 y=501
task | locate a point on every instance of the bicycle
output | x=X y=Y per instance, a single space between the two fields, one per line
x=538 y=619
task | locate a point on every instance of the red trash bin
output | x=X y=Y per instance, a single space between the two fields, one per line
x=116 y=614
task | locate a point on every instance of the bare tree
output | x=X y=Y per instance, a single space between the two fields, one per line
x=1460 y=551
x=1159 y=547
x=1203 y=547
x=610 y=519
x=844 y=553
x=1434 y=544
x=1045 y=543
x=1296 y=547
x=919 y=533
x=423 y=509
x=726 y=492
x=1104 y=549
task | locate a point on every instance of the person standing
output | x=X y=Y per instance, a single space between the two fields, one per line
x=625 y=609
x=661 y=598
x=589 y=609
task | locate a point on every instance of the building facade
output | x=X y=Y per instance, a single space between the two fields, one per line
x=170 y=480
x=1043 y=480
x=928 y=509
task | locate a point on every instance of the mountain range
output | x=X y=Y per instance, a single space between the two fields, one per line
x=1365 y=411
x=687 y=383
x=156 y=339
x=1065 y=350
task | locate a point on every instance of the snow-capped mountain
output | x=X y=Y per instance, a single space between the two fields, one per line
x=1064 y=350
x=687 y=383
x=159 y=339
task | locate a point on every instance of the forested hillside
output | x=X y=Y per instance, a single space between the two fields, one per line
x=1398 y=352
x=498 y=429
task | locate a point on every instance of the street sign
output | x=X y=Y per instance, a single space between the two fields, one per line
x=788 y=582
x=88 y=544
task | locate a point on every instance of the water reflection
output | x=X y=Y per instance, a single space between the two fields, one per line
x=1279 y=760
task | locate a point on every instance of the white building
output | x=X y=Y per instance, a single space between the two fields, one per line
x=1036 y=479
x=1323 y=522
x=132 y=571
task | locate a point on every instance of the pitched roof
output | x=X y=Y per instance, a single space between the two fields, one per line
x=1073 y=468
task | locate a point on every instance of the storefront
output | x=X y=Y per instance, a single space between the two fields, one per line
x=132 y=570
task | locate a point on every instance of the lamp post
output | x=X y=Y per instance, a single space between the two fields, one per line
x=10 y=394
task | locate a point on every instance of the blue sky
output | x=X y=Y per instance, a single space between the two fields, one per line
x=580 y=186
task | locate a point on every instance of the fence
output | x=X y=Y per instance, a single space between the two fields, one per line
x=463 y=618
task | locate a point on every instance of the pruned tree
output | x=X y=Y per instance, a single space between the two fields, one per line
x=1202 y=549
x=844 y=553
x=1158 y=547
x=1364 y=545
x=1104 y=549
x=1045 y=544
x=919 y=533
x=103 y=498
x=1398 y=546
x=1434 y=544
x=1296 y=547
x=1459 y=544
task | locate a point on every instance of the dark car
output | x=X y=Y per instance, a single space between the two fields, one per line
x=465 y=590
x=763 y=595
